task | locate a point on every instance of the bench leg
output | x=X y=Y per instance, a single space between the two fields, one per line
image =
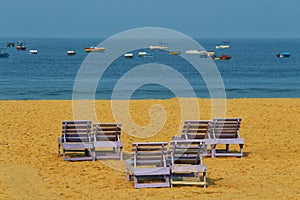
x=121 y=153
x=204 y=179
x=227 y=148
x=213 y=151
x=241 y=149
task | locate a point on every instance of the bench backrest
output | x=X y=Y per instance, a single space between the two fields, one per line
x=76 y=131
x=186 y=151
x=107 y=132
x=149 y=154
x=195 y=129
x=223 y=128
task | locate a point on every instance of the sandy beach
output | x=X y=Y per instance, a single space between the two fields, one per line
x=31 y=169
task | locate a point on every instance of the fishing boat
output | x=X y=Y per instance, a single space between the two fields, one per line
x=94 y=49
x=10 y=44
x=33 y=51
x=128 y=55
x=224 y=45
x=174 y=52
x=283 y=55
x=21 y=46
x=71 y=52
x=3 y=54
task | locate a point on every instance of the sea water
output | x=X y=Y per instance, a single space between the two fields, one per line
x=254 y=71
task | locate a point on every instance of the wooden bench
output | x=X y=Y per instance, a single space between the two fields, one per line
x=226 y=131
x=76 y=141
x=197 y=130
x=148 y=165
x=107 y=140
x=186 y=162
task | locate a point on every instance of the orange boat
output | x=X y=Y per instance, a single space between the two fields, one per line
x=92 y=49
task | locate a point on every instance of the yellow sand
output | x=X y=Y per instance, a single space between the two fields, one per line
x=31 y=169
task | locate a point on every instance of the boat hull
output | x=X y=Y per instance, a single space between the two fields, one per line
x=21 y=48
x=283 y=55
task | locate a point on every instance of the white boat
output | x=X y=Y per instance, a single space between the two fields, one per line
x=224 y=45
x=33 y=51
x=201 y=52
x=161 y=46
x=128 y=55
x=71 y=52
x=142 y=53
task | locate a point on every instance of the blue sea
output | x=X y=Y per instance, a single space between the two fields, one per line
x=254 y=71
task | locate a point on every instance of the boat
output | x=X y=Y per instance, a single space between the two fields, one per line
x=222 y=57
x=71 y=53
x=142 y=54
x=201 y=52
x=161 y=46
x=33 y=51
x=94 y=49
x=194 y=52
x=174 y=52
x=128 y=55
x=224 y=45
x=21 y=46
x=10 y=44
x=3 y=54
x=283 y=55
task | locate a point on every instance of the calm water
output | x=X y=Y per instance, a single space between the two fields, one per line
x=253 y=71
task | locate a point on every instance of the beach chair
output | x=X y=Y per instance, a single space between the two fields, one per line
x=148 y=165
x=196 y=130
x=225 y=131
x=186 y=162
x=76 y=141
x=107 y=142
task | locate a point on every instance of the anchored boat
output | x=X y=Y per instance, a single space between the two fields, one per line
x=33 y=51
x=283 y=55
x=95 y=49
x=71 y=53
x=128 y=55
x=224 y=45
x=10 y=44
x=21 y=46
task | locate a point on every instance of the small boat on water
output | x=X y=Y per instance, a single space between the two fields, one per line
x=224 y=45
x=3 y=54
x=174 y=52
x=142 y=54
x=161 y=46
x=95 y=49
x=194 y=52
x=33 y=51
x=10 y=44
x=283 y=55
x=71 y=52
x=21 y=46
x=222 y=57
x=201 y=52
x=128 y=55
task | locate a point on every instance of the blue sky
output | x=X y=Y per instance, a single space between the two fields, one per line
x=196 y=18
